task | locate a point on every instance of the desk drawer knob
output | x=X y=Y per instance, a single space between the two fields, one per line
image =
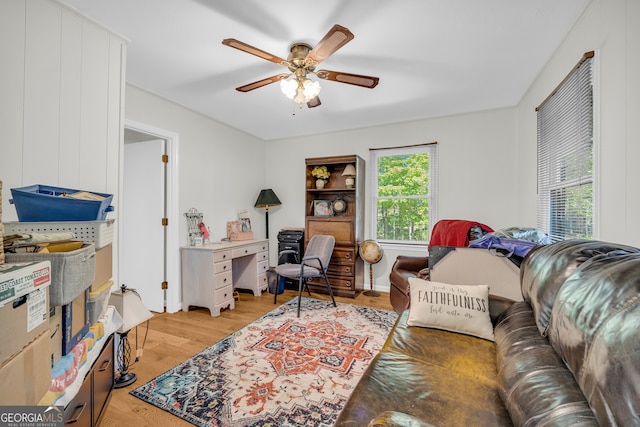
x=224 y=267
x=225 y=280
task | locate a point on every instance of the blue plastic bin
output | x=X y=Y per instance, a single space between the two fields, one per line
x=44 y=203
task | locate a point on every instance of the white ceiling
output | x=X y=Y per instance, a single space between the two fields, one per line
x=433 y=57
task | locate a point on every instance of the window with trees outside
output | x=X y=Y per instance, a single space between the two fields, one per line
x=566 y=156
x=403 y=193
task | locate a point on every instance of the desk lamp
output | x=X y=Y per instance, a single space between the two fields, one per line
x=128 y=303
x=267 y=198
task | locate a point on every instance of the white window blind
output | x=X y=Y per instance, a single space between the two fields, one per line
x=403 y=186
x=566 y=156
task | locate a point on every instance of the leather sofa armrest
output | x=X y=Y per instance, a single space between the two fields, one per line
x=397 y=419
x=411 y=263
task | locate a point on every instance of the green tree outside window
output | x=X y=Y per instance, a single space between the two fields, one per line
x=403 y=197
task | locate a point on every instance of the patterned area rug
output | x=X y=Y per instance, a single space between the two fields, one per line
x=277 y=371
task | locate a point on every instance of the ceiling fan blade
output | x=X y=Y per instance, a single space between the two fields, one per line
x=314 y=102
x=337 y=37
x=352 y=79
x=255 y=51
x=263 y=82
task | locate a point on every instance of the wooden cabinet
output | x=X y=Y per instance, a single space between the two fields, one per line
x=345 y=222
x=89 y=403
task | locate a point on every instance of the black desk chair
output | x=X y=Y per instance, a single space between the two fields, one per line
x=314 y=264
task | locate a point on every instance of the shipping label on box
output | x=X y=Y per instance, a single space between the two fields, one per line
x=37 y=310
x=18 y=279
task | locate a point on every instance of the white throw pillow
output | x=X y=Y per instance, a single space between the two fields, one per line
x=455 y=308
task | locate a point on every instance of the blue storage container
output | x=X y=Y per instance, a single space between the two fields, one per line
x=45 y=203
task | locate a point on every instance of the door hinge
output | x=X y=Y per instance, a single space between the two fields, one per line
x=165 y=285
x=165 y=222
x=165 y=158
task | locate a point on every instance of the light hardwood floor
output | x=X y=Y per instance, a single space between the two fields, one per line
x=172 y=338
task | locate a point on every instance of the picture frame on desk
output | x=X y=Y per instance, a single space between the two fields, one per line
x=322 y=208
x=234 y=231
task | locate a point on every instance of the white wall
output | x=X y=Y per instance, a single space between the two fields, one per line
x=221 y=169
x=609 y=27
x=60 y=111
x=476 y=171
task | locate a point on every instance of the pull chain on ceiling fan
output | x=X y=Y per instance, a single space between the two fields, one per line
x=302 y=61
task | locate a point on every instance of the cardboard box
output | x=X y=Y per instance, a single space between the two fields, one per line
x=23 y=320
x=55 y=328
x=26 y=377
x=75 y=321
x=20 y=278
x=104 y=267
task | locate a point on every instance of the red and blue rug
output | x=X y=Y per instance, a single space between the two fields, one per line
x=279 y=370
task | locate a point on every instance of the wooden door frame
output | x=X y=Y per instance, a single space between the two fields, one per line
x=172 y=264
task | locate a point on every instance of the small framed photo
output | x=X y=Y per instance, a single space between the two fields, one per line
x=322 y=208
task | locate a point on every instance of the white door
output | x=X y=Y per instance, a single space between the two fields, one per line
x=143 y=245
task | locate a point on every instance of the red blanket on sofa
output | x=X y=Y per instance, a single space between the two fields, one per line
x=453 y=232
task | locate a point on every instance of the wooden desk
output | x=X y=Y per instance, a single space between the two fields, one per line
x=210 y=272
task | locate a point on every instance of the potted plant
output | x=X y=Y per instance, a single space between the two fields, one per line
x=321 y=174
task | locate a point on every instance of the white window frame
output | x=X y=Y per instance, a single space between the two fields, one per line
x=375 y=154
x=566 y=144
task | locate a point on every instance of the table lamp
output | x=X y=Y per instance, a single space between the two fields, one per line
x=350 y=175
x=267 y=198
x=128 y=303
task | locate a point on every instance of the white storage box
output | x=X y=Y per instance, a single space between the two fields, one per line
x=71 y=272
x=100 y=233
x=98 y=301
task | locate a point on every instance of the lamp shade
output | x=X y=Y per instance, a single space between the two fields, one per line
x=267 y=198
x=349 y=170
x=130 y=306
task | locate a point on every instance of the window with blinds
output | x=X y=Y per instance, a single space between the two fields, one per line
x=403 y=185
x=566 y=156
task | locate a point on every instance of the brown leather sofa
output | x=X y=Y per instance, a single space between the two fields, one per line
x=404 y=268
x=569 y=354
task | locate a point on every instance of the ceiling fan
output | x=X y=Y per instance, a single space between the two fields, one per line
x=302 y=62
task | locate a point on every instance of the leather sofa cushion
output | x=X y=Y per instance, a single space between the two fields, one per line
x=594 y=328
x=545 y=269
x=443 y=378
x=534 y=383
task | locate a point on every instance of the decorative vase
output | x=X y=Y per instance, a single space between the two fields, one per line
x=319 y=184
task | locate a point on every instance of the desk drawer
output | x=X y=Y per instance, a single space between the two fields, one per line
x=343 y=256
x=223 y=295
x=263 y=266
x=340 y=269
x=247 y=250
x=263 y=256
x=263 y=281
x=221 y=267
x=223 y=279
x=219 y=256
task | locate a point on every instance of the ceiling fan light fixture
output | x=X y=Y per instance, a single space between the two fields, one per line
x=300 y=90
x=289 y=87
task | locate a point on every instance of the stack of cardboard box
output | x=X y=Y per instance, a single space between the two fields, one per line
x=25 y=348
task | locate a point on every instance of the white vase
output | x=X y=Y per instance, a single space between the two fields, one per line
x=319 y=184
